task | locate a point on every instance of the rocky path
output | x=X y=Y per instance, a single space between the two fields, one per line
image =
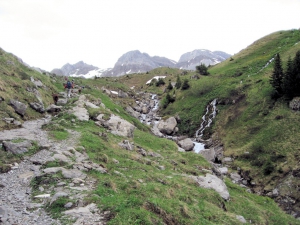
x=16 y=203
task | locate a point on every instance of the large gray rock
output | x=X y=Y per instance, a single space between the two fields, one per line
x=39 y=107
x=120 y=127
x=213 y=182
x=187 y=144
x=17 y=148
x=79 y=110
x=81 y=113
x=73 y=173
x=62 y=101
x=132 y=112
x=53 y=108
x=122 y=94
x=19 y=107
x=208 y=154
x=91 y=105
x=168 y=126
x=156 y=131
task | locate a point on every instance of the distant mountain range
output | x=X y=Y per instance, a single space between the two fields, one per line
x=137 y=62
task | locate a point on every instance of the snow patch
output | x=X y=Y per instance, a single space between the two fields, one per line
x=156 y=77
x=90 y=74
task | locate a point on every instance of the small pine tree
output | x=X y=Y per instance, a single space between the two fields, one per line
x=160 y=82
x=296 y=72
x=185 y=85
x=170 y=86
x=202 y=69
x=178 y=82
x=277 y=75
x=289 y=80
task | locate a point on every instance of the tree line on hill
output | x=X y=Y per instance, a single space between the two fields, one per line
x=286 y=83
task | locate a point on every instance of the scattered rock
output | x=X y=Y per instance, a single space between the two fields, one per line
x=241 y=219
x=17 y=148
x=168 y=126
x=295 y=103
x=19 y=107
x=213 y=182
x=53 y=108
x=208 y=154
x=126 y=145
x=187 y=144
x=39 y=107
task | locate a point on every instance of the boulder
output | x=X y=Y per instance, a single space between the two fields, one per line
x=168 y=126
x=62 y=101
x=19 y=107
x=156 y=131
x=235 y=177
x=295 y=103
x=53 y=108
x=241 y=219
x=208 y=154
x=126 y=145
x=120 y=127
x=17 y=148
x=132 y=112
x=39 y=107
x=223 y=170
x=213 y=182
x=81 y=113
x=122 y=94
x=91 y=105
x=187 y=144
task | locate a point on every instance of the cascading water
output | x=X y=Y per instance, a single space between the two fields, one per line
x=210 y=114
x=152 y=118
x=154 y=103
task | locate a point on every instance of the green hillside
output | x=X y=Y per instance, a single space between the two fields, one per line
x=261 y=134
x=136 y=190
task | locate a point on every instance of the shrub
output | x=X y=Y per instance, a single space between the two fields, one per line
x=268 y=167
x=202 y=69
x=185 y=85
x=160 y=82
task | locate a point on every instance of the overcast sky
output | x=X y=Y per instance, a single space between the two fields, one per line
x=51 y=33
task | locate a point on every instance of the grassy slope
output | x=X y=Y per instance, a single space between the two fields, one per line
x=14 y=82
x=250 y=124
x=136 y=191
x=265 y=147
x=144 y=194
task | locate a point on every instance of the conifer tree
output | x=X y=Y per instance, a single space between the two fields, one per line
x=178 y=82
x=277 y=75
x=170 y=86
x=185 y=85
x=296 y=71
x=289 y=80
x=202 y=69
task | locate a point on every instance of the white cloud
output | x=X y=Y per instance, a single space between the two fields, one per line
x=50 y=33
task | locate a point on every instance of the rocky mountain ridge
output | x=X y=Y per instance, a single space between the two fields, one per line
x=137 y=62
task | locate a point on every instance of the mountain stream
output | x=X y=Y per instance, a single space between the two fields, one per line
x=207 y=119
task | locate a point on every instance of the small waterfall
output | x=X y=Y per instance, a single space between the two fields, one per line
x=152 y=118
x=146 y=118
x=207 y=118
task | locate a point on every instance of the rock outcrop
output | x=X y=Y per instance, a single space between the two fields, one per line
x=213 y=182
